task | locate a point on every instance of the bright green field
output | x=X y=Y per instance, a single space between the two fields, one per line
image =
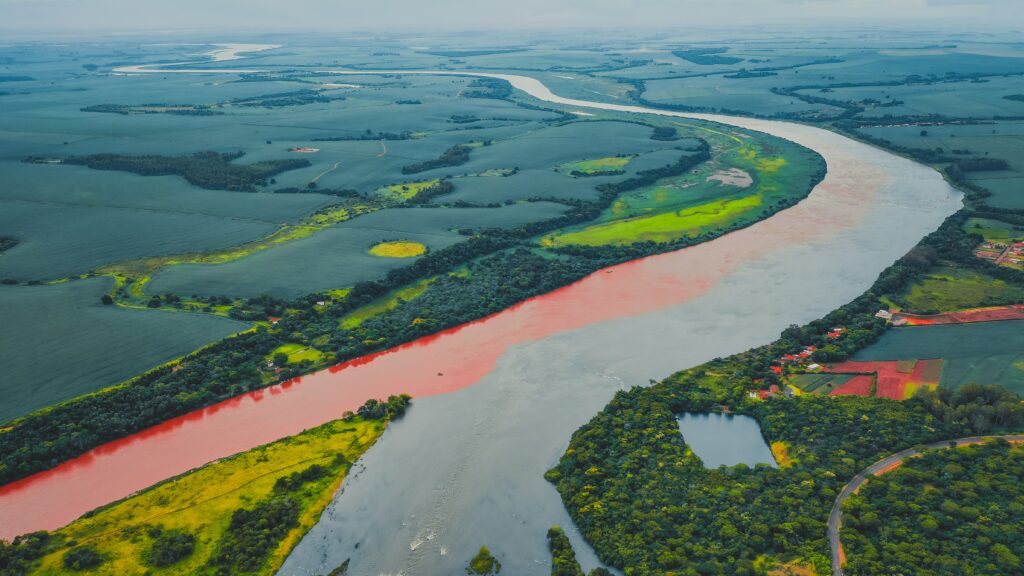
x=664 y=227
x=949 y=289
x=698 y=201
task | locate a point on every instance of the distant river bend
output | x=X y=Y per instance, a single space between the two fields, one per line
x=498 y=399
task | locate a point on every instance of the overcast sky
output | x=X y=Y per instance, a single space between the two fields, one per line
x=27 y=16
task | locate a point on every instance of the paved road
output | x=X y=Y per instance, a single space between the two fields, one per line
x=835 y=518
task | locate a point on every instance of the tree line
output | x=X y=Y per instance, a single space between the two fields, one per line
x=210 y=170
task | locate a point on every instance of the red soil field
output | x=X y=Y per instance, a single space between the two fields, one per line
x=434 y=365
x=1015 y=312
x=892 y=381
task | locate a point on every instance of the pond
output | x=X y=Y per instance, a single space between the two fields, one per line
x=725 y=439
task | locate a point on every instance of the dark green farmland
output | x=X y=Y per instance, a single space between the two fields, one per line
x=60 y=341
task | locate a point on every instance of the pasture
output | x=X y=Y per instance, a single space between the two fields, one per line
x=946 y=289
x=994 y=230
x=61 y=342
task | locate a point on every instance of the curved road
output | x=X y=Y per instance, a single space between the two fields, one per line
x=835 y=518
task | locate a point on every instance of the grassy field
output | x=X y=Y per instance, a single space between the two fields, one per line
x=994 y=230
x=298 y=353
x=398 y=249
x=202 y=502
x=59 y=341
x=662 y=227
x=705 y=199
x=946 y=289
x=383 y=304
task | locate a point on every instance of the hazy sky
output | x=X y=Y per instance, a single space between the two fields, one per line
x=28 y=16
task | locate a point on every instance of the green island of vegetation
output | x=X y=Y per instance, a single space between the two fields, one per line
x=743 y=182
x=238 y=515
x=484 y=563
x=707 y=56
x=455 y=156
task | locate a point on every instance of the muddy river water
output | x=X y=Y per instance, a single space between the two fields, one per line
x=497 y=400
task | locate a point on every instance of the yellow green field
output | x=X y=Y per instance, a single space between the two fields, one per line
x=407 y=190
x=398 y=249
x=609 y=165
x=298 y=353
x=664 y=227
x=202 y=502
x=780 y=450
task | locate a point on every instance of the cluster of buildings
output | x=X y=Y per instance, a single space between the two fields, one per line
x=1001 y=253
x=799 y=359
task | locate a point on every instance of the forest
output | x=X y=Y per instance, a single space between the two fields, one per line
x=947 y=512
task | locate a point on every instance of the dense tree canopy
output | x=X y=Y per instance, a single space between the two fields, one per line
x=948 y=512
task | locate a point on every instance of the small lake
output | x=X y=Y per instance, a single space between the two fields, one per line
x=725 y=439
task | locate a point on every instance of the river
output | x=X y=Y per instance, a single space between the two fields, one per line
x=497 y=400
